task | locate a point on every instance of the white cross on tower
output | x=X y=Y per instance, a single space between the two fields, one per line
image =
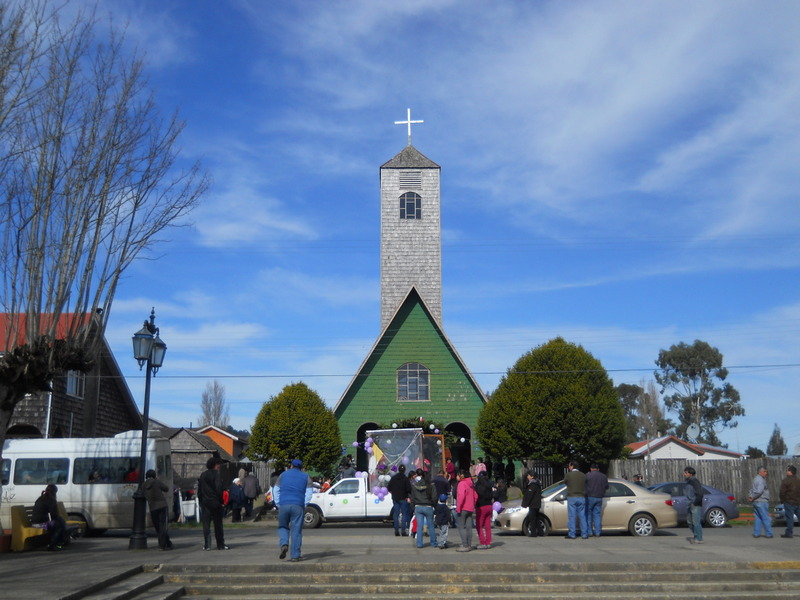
x=408 y=122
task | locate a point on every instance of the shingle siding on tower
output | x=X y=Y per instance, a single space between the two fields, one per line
x=411 y=249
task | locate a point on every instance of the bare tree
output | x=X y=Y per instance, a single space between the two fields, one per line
x=89 y=178
x=214 y=407
x=651 y=419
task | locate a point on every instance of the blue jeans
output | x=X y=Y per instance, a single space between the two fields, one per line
x=576 y=508
x=761 y=514
x=425 y=514
x=789 y=511
x=694 y=519
x=402 y=514
x=593 y=519
x=290 y=518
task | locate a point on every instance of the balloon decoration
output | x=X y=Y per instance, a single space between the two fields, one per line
x=497 y=507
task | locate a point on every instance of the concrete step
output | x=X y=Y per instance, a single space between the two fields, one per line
x=289 y=577
x=513 y=590
x=486 y=568
x=165 y=591
x=127 y=588
x=688 y=581
x=777 y=595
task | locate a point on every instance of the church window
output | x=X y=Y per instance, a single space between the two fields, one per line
x=413 y=383
x=410 y=206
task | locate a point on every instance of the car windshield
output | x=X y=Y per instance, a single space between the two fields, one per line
x=551 y=489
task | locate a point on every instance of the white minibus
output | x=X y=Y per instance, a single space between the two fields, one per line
x=96 y=477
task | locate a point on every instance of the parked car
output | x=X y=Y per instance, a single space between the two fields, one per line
x=718 y=507
x=779 y=515
x=626 y=507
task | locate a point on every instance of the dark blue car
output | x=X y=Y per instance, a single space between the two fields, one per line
x=718 y=507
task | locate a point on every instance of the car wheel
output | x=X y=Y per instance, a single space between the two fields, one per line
x=642 y=525
x=544 y=527
x=312 y=518
x=716 y=517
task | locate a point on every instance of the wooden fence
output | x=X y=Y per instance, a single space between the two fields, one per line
x=732 y=476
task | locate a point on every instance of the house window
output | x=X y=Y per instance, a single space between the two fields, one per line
x=410 y=206
x=75 y=383
x=413 y=383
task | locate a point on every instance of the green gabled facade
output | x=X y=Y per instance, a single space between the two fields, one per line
x=374 y=397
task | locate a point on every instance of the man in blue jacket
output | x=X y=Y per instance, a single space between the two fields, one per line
x=291 y=494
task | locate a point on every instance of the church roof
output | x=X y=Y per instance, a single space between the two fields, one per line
x=410 y=158
x=413 y=296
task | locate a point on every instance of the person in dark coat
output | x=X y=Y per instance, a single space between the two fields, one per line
x=209 y=492
x=251 y=489
x=483 y=510
x=510 y=473
x=532 y=500
x=45 y=512
x=154 y=490
x=400 y=488
x=237 y=500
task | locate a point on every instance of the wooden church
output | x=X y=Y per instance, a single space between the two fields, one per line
x=412 y=370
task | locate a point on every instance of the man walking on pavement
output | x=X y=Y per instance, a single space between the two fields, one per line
x=291 y=494
x=694 y=516
x=596 y=486
x=790 y=496
x=759 y=497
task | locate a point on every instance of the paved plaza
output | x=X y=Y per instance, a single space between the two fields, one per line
x=39 y=574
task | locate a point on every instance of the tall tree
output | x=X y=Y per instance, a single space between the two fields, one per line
x=213 y=406
x=776 y=445
x=701 y=395
x=754 y=452
x=89 y=178
x=296 y=424
x=629 y=394
x=556 y=403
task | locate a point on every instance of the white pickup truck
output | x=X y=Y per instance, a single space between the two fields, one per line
x=347 y=500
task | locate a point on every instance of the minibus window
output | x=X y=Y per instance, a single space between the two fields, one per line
x=40 y=471
x=106 y=469
x=6 y=470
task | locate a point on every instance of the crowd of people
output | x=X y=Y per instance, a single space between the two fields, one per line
x=466 y=499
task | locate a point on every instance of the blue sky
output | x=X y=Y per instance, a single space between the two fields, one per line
x=622 y=174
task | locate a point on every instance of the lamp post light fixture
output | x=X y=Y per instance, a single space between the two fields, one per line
x=149 y=350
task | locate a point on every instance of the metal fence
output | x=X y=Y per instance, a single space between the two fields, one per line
x=732 y=476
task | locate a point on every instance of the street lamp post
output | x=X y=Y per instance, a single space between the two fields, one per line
x=147 y=349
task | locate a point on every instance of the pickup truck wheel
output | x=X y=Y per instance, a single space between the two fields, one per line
x=312 y=518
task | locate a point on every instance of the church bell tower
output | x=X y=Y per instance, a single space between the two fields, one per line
x=411 y=241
